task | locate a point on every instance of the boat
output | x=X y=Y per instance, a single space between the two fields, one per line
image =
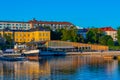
x=31 y=52
x=52 y=53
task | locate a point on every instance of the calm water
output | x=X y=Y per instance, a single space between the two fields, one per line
x=61 y=68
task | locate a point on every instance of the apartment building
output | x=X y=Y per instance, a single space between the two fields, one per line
x=110 y=31
x=15 y=25
x=21 y=25
x=24 y=36
x=51 y=24
x=82 y=32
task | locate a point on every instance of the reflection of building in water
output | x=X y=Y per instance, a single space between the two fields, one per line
x=62 y=68
x=74 y=62
x=112 y=66
x=24 y=70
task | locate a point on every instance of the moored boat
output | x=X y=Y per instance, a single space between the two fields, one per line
x=52 y=53
x=31 y=52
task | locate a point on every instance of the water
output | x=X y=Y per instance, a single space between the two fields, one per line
x=62 y=68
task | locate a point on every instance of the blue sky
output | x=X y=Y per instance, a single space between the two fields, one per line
x=84 y=13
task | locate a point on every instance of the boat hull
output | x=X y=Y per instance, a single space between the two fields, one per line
x=31 y=53
x=52 y=53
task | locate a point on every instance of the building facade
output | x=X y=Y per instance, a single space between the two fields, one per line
x=82 y=32
x=21 y=25
x=51 y=24
x=24 y=36
x=15 y=25
x=110 y=31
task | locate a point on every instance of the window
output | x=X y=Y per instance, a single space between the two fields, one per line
x=39 y=34
x=46 y=34
x=16 y=24
x=28 y=35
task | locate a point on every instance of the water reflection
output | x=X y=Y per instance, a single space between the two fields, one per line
x=62 y=68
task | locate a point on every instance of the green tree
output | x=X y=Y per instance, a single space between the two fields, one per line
x=106 y=40
x=110 y=42
x=9 y=40
x=69 y=34
x=93 y=35
x=56 y=35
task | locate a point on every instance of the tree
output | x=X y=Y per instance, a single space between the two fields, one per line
x=118 y=35
x=110 y=42
x=93 y=35
x=9 y=40
x=81 y=39
x=56 y=35
x=106 y=40
x=69 y=34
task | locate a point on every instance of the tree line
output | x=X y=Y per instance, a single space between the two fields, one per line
x=93 y=36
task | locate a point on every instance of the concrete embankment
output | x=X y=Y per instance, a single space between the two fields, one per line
x=117 y=53
x=104 y=55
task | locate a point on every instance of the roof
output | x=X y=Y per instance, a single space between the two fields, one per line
x=50 y=22
x=61 y=47
x=107 y=29
x=14 y=21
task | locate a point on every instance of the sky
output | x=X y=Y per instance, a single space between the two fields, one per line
x=83 y=13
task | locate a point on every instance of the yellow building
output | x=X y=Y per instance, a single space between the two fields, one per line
x=24 y=36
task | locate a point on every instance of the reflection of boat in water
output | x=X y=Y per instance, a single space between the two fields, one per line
x=5 y=58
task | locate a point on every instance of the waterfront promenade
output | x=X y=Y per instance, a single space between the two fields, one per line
x=111 y=53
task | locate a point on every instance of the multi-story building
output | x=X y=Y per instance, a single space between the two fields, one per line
x=82 y=32
x=15 y=25
x=110 y=31
x=21 y=25
x=51 y=24
x=24 y=36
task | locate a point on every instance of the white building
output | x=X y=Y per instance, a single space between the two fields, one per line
x=111 y=32
x=14 y=25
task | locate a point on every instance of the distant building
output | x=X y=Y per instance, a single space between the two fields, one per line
x=15 y=25
x=82 y=32
x=110 y=31
x=52 y=24
x=24 y=36
x=21 y=25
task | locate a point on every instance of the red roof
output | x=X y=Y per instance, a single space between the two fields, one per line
x=50 y=22
x=107 y=29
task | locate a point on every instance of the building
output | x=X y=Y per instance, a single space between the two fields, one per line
x=110 y=31
x=24 y=36
x=82 y=32
x=15 y=25
x=21 y=25
x=51 y=24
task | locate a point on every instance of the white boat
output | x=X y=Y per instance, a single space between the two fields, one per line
x=31 y=52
